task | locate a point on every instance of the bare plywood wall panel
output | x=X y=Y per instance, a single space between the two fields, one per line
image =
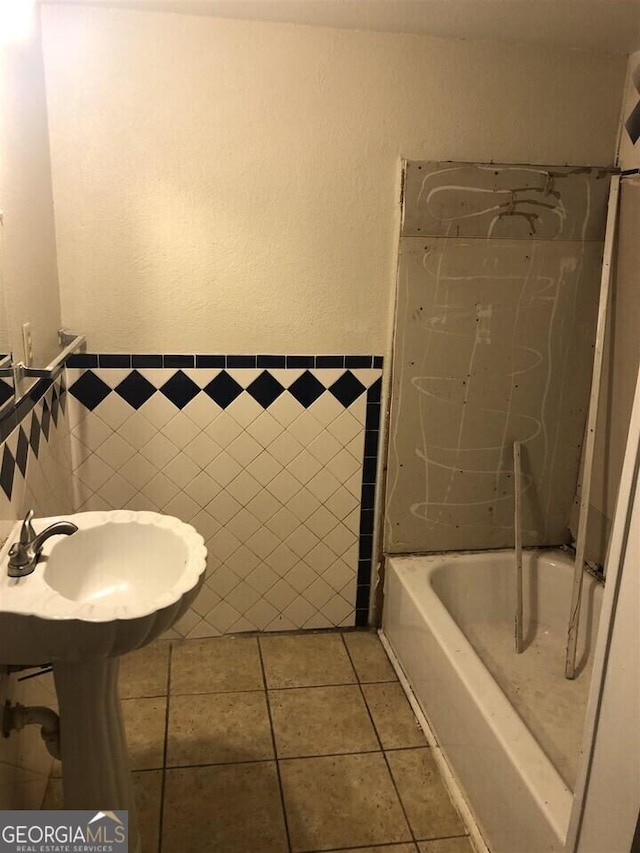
x=493 y=344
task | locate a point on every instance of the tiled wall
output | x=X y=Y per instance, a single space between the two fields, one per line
x=272 y=458
x=35 y=473
x=35 y=456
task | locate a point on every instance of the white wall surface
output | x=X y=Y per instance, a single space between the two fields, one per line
x=233 y=186
x=29 y=266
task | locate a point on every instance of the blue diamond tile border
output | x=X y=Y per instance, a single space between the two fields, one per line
x=90 y=391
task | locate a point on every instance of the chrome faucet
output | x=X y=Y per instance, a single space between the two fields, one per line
x=23 y=555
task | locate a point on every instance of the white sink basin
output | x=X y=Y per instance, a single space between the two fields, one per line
x=112 y=586
x=116 y=584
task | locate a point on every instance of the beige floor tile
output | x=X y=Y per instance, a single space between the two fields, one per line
x=145 y=721
x=321 y=721
x=148 y=788
x=369 y=657
x=341 y=801
x=424 y=797
x=393 y=716
x=217 y=665
x=145 y=672
x=148 y=791
x=218 y=728
x=306 y=660
x=446 y=845
x=232 y=808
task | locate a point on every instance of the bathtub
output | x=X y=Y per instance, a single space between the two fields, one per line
x=510 y=726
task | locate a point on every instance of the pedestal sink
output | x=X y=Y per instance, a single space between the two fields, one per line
x=113 y=586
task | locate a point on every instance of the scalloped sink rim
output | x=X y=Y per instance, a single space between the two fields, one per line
x=34 y=596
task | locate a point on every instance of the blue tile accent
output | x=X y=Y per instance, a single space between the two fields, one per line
x=6 y=391
x=300 y=361
x=378 y=361
x=265 y=389
x=148 y=360
x=134 y=389
x=180 y=389
x=347 y=389
x=115 y=360
x=178 y=361
x=223 y=390
x=211 y=361
x=272 y=361
x=34 y=435
x=54 y=407
x=306 y=389
x=371 y=437
x=357 y=360
x=7 y=472
x=83 y=359
x=22 y=451
x=369 y=469
x=329 y=361
x=46 y=420
x=90 y=390
x=241 y=360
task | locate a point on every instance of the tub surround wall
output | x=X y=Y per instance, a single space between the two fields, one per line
x=35 y=473
x=498 y=292
x=272 y=458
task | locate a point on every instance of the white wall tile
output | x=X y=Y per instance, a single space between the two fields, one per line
x=275 y=492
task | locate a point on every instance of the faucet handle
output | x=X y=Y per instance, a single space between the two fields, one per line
x=27 y=533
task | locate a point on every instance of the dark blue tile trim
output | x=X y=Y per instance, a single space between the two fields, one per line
x=301 y=361
x=115 y=360
x=29 y=430
x=149 y=360
x=358 y=360
x=271 y=361
x=208 y=360
x=367 y=501
x=83 y=359
x=178 y=361
x=242 y=360
x=330 y=361
x=211 y=361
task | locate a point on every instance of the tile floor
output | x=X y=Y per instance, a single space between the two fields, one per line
x=286 y=743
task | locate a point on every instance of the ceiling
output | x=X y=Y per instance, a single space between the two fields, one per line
x=611 y=26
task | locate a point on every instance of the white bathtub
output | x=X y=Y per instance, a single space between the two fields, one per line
x=510 y=726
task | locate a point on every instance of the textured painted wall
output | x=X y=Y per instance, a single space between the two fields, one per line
x=493 y=345
x=225 y=186
x=28 y=256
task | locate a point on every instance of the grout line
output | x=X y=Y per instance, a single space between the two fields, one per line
x=275 y=749
x=385 y=845
x=165 y=748
x=386 y=761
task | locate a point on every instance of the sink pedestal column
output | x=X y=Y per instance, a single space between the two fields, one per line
x=95 y=759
